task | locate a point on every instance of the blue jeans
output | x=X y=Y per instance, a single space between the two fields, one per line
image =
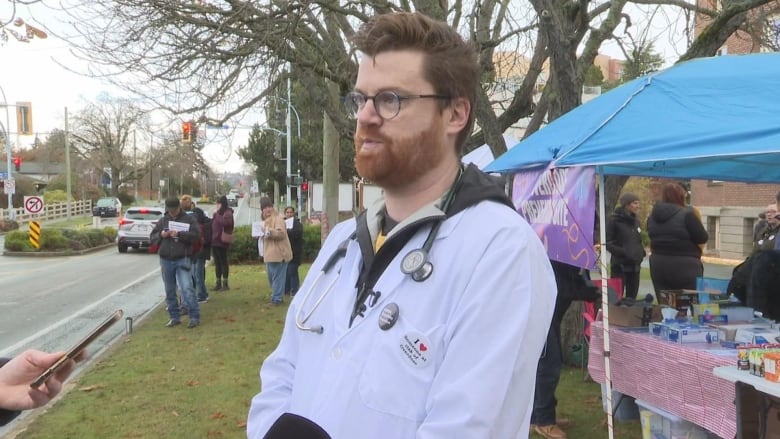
x=179 y=271
x=199 y=278
x=277 y=273
x=293 y=281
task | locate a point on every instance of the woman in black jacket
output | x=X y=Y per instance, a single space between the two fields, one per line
x=624 y=243
x=676 y=240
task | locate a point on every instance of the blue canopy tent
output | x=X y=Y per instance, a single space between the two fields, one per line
x=710 y=118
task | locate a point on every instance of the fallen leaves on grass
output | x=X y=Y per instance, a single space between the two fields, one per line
x=91 y=388
x=175 y=413
x=217 y=415
x=193 y=383
x=241 y=424
x=229 y=319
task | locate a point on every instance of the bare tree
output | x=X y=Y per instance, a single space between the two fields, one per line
x=221 y=58
x=102 y=135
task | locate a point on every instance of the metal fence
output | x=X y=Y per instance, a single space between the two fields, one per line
x=51 y=211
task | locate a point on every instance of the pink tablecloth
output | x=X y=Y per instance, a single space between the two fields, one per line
x=677 y=378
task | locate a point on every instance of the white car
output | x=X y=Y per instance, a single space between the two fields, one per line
x=135 y=227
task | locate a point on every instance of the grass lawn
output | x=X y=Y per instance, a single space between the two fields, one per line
x=173 y=382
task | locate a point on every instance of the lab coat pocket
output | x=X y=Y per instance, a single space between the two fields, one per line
x=399 y=371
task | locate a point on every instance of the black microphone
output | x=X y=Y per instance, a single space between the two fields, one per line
x=292 y=426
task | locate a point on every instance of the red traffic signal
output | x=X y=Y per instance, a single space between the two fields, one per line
x=186 y=132
x=305 y=186
x=17 y=163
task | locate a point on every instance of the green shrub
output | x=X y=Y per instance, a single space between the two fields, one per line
x=312 y=239
x=244 y=247
x=52 y=240
x=55 y=196
x=17 y=241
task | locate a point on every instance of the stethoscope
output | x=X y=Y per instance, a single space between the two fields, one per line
x=416 y=263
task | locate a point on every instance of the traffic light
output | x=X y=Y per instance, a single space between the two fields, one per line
x=305 y=186
x=186 y=132
x=17 y=163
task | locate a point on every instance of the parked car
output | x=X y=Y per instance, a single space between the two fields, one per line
x=135 y=227
x=107 y=207
x=232 y=199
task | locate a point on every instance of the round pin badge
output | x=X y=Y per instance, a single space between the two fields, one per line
x=413 y=261
x=388 y=316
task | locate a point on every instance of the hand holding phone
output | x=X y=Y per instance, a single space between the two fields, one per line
x=74 y=352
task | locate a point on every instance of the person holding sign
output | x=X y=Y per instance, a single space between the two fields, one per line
x=276 y=249
x=174 y=235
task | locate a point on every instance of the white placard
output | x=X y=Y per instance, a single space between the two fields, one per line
x=178 y=226
x=258 y=229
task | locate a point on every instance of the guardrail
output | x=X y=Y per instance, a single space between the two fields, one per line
x=51 y=211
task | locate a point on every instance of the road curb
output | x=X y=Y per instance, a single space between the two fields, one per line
x=45 y=254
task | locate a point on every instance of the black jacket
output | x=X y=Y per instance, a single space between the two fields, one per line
x=295 y=235
x=675 y=231
x=624 y=240
x=180 y=246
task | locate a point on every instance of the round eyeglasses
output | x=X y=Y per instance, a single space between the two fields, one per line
x=386 y=103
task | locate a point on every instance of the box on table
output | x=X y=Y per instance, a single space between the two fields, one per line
x=728 y=332
x=712 y=285
x=683 y=299
x=664 y=425
x=633 y=316
x=757 y=335
x=692 y=334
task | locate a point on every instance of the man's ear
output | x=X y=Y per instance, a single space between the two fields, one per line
x=459 y=111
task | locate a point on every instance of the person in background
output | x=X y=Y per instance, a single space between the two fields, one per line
x=174 y=235
x=389 y=337
x=573 y=284
x=276 y=249
x=221 y=222
x=17 y=373
x=624 y=243
x=765 y=236
x=295 y=235
x=199 y=259
x=676 y=239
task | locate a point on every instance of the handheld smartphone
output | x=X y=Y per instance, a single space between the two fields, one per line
x=76 y=350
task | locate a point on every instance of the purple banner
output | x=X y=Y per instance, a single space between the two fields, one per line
x=560 y=205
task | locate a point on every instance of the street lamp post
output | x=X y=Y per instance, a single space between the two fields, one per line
x=11 y=214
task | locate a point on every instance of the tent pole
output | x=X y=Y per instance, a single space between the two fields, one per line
x=605 y=298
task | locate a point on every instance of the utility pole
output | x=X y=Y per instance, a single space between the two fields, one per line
x=287 y=199
x=67 y=163
x=330 y=169
x=135 y=169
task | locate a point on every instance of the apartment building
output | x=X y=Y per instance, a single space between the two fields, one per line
x=730 y=210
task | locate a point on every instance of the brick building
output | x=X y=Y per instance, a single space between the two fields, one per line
x=730 y=210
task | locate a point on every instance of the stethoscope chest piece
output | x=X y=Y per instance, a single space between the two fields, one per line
x=416 y=264
x=388 y=316
x=414 y=261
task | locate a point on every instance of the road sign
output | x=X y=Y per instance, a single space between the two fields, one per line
x=35 y=233
x=33 y=204
x=10 y=186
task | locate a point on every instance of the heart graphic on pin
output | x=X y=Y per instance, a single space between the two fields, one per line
x=423 y=348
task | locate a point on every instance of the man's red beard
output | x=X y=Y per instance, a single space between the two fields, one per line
x=400 y=162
